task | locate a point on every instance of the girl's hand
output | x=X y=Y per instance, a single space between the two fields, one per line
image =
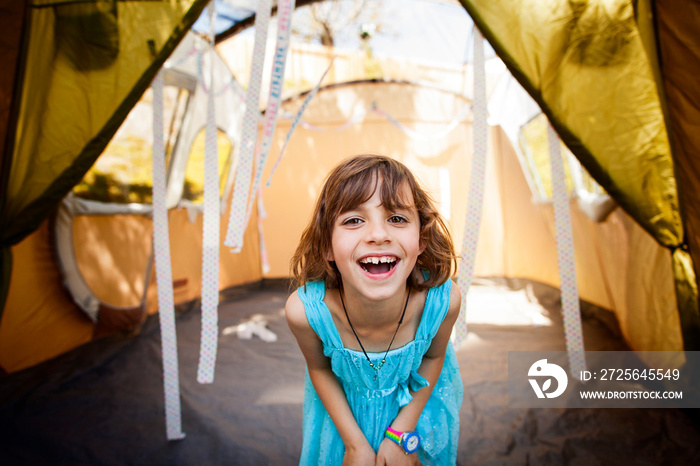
x=359 y=456
x=393 y=455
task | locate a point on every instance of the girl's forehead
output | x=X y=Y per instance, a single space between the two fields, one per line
x=398 y=197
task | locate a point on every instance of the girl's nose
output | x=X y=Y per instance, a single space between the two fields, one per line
x=377 y=232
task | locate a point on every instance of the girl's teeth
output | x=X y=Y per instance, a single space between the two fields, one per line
x=378 y=260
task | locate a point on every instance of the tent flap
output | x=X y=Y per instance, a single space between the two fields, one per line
x=75 y=98
x=586 y=66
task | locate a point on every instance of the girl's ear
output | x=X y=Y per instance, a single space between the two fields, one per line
x=422 y=244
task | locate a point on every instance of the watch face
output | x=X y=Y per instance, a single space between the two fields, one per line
x=412 y=442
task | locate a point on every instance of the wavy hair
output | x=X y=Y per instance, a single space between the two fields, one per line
x=351 y=184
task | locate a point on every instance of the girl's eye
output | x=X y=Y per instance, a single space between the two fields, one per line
x=397 y=219
x=352 y=221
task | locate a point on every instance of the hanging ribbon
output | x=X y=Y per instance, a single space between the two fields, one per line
x=244 y=171
x=297 y=119
x=210 y=229
x=565 y=253
x=476 y=187
x=284 y=29
x=164 y=278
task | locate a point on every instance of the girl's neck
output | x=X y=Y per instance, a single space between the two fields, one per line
x=373 y=312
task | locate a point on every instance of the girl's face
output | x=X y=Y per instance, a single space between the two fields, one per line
x=375 y=249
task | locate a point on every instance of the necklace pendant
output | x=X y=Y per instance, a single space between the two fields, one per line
x=371 y=364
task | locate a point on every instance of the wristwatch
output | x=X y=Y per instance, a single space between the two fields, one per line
x=409 y=441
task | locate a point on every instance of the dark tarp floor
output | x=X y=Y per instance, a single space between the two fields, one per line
x=102 y=404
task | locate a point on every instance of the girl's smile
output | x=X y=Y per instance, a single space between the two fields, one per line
x=378 y=266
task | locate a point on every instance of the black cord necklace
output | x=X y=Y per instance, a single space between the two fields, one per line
x=371 y=364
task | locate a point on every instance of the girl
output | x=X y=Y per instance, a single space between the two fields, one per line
x=373 y=317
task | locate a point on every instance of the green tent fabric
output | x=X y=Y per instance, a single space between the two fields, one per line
x=586 y=64
x=73 y=72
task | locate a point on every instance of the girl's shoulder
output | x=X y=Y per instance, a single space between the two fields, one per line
x=311 y=293
x=448 y=291
x=295 y=312
x=442 y=305
x=455 y=301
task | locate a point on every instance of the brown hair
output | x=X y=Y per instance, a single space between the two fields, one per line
x=349 y=185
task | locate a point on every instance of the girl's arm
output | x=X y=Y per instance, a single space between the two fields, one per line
x=357 y=448
x=430 y=368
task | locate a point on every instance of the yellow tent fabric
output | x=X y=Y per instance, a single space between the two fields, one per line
x=585 y=64
x=81 y=66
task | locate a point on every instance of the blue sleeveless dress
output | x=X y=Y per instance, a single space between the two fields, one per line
x=375 y=397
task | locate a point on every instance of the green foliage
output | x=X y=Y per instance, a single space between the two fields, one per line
x=194 y=174
x=121 y=175
x=535 y=133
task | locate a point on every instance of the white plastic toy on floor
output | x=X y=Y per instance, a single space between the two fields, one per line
x=256 y=325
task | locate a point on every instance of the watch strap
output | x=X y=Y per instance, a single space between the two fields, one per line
x=394 y=435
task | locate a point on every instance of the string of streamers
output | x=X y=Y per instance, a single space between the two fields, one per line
x=476 y=187
x=210 y=229
x=565 y=254
x=231 y=84
x=241 y=190
x=284 y=29
x=198 y=55
x=195 y=52
x=164 y=279
x=358 y=117
x=297 y=119
x=422 y=137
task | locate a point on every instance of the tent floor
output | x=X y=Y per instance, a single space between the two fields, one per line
x=102 y=404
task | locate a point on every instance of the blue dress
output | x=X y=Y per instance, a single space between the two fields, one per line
x=375 y=397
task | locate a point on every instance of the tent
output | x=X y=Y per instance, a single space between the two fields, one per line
x=631 y=308
x=623 y=267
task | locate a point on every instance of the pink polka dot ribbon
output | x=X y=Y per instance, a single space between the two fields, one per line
x=244 y=172
x=476 y=187
x=565 y=253
x=210 y=229
x=164 y=279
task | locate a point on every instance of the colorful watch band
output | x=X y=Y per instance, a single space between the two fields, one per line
x=393 y=435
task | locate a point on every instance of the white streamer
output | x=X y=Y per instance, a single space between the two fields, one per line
x=565 y=253
x=241 y=189
x=164 y=277
x=210 y=229
x=476 y=186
